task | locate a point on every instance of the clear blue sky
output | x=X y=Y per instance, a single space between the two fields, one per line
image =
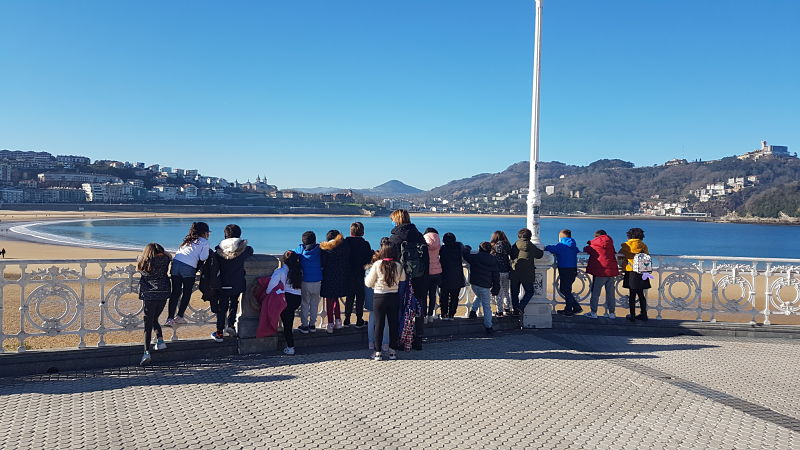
x=353 y=93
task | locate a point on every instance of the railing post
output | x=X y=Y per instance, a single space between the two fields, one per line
x=539 y=311
x=257 y=266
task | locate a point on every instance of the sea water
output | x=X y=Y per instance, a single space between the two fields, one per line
x=276 y=234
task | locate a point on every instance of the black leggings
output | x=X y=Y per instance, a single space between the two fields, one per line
x=633 y=293
x=287 y=317
x=432 y=287
x=449 y=299
x=152 y=309
x=386 y=306
x=181 y=290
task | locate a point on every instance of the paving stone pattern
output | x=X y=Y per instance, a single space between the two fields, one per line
x=545 y=389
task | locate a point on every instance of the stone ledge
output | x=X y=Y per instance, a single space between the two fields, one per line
x=680 y=327
x=41 y=361
x=68 y=360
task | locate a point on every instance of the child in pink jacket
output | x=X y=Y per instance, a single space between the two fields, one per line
x=434 y=271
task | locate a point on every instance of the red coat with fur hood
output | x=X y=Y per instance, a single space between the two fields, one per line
x=602 y=257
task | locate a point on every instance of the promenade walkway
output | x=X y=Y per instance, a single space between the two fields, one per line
x=528 y=389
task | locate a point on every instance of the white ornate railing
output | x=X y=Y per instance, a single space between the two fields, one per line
x=705 y=287
x=83 y=302
x=82 y=298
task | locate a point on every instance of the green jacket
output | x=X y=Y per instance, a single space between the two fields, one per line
x=523 y=267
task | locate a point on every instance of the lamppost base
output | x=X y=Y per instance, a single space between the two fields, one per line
x=538 y=314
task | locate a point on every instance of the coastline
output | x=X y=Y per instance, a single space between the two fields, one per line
x=34 y=245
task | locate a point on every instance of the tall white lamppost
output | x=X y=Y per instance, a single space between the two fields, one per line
x=534 y=201
x=538 y=312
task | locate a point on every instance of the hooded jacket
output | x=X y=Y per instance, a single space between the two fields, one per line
x=602 y=257
x=310 y=261
x=452 y=262
x=335 y=267
x=630 y=249
x=434 y=244
x=523 y=266
x=231 y=254
x=566 y=253
x=501 y=250
x=483 y=270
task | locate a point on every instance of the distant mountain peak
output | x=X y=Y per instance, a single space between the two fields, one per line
x=397 y=187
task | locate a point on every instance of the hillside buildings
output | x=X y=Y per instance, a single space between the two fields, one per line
x=776 y=151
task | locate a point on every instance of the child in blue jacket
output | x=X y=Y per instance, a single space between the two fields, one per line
x=310 y=261
x=566 y=253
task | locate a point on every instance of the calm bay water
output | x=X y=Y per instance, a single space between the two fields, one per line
x=276 y=234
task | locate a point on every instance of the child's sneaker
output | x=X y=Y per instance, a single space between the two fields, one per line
x=217 y=336
x=360 y=323
x=230 y=331
x=329 y=328
x=590 y=315
x=169 y=322
x=611 y=316
x=179 y=320
x=160 y=345
x=288 y=351
x=338 y=324
x=303 y=329
x=145 y=359
x=312 y=328
x=377 y=356
x=392 y=355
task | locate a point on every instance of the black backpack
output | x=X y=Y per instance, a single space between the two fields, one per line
x=210 y=280
x=414 y=258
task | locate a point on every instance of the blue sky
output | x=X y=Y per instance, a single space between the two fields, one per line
x=353 y=93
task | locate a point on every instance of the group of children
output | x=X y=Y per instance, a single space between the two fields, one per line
x=336 y=268
x=165 y=278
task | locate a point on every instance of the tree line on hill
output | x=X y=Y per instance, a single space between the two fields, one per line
x=613 y=186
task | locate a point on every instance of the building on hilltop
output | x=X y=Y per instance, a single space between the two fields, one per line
x=66 y=178
x=72 y=161
x=775 y=151
x=675 y=162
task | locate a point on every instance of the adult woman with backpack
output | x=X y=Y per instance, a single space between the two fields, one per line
x=637 y=278
x=410 y=246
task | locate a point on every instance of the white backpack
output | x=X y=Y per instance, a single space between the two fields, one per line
x=642 y=263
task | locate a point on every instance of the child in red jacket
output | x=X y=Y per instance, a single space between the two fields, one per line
x=603 y=268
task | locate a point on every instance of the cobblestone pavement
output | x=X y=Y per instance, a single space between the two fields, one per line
x=546 y=389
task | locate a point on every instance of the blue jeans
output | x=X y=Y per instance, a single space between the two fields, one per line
x=567 y=277
x=484 y=297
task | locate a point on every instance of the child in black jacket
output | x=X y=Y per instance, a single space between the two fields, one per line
x=231 y=254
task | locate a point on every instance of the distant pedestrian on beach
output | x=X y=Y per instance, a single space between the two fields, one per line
x=193 y=250
x=360 y=254
x=411 y=249
x=231 y=254
x=523 y=269
x=154 y=290
x=501 y=250
x=566 y=253
x=484 y=278
x=603 y=268
x=290 y=274
x=3 y=253
x=636 y=254
x=434 y=272
x=334 y=257
x=310 y=259
x=452 y=262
